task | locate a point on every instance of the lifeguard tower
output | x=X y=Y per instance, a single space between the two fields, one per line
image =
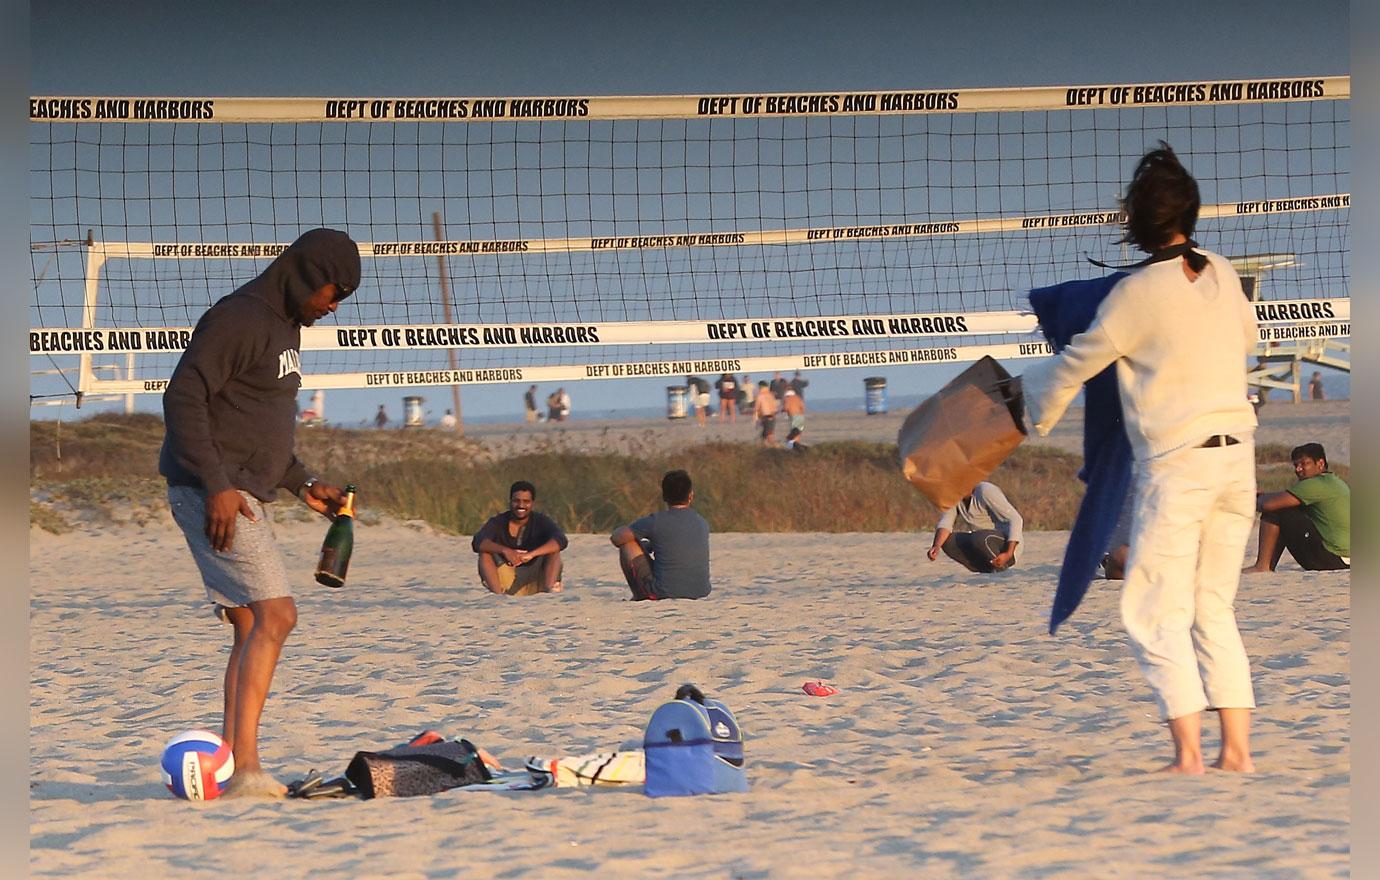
x=1278 y=363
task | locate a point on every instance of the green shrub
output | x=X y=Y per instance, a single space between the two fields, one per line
x=108 y=465
x=835 y=487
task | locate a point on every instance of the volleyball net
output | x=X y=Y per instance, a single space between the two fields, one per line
x=559 y=239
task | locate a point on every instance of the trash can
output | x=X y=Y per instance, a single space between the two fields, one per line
x=677 y=401
x=412 y=412
x=874 y=391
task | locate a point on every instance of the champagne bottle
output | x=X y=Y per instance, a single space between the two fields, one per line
x=340 y=541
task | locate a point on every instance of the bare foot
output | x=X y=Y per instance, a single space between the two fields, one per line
x=557 y=587
x=1186 y=769
x=1234 y=764
x=1255 y=569
x=254 y=784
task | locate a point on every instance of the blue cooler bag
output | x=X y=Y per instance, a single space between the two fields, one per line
x=729 y=774
x=693 y=746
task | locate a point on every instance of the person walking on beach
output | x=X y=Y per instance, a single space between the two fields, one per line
x=529 y=404
x=228 y=449
x=665 y=555
x=794 y=407
x=778 y=386
x=1315 y=387
x=520 y=549
x=727 y=387
x=381 y=418
x=699 y=396
x=746 y=395
x=798 y=384
x=765 y=411
x=1180 y=331
x=981 y=532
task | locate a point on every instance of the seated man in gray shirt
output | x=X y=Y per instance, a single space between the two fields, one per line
x=665 y=555
x=987 y=539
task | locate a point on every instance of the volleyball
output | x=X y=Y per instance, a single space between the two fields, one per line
x=197 y=765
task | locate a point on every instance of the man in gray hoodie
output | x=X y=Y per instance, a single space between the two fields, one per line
x=229 y=412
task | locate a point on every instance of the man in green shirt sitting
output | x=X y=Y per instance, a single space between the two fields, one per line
x=1311 y=519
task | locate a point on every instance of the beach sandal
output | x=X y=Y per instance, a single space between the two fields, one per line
x=317 y=786
x=819 y=689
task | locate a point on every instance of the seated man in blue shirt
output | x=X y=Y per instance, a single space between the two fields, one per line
x=665 y=555
x=520 y=549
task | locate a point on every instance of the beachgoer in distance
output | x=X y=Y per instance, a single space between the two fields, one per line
x=381 y=417
x=228 y=449
x=699 y=397
x=563 y=400
x=727 y=387
x=981 y=532
x=794 y=407
x=665 y=555
x=448 y=421
x=520 y=549
x=1315 y=387
x=529 y=404
x=798 y=384
x=765 y=411
x=778 y=386
x=746 y=395
x=1311 y=519
x=1180 y=330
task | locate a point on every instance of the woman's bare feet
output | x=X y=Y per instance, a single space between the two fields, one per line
x=1188 y=752
x=1234 y=763
x=1185 y=767
x=254 y=784
x=1236 y=741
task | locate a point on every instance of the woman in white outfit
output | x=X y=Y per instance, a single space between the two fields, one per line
x=1179 y=330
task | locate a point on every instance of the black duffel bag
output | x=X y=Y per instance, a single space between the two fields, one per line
x=407 y=771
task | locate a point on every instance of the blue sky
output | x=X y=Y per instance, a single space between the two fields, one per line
x=412 y=48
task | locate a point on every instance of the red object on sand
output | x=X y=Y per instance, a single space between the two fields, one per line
x=819 y=689
x=426 y=738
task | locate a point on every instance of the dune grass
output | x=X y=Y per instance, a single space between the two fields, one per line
x=105 y=469
x=835 y=487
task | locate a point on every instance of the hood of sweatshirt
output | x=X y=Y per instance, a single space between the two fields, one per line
x=315 y=259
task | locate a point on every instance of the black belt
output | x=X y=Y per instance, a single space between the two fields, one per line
x=1219 y=440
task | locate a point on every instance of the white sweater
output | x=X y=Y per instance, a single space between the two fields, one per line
x=1180 y=350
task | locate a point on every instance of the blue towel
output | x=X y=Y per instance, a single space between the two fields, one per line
x=1064 y=311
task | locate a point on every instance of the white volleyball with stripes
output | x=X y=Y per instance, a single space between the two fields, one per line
x=197 y=765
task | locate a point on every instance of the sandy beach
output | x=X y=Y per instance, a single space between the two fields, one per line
x=964 y=742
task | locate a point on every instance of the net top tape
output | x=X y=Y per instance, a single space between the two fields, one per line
x=93 y=108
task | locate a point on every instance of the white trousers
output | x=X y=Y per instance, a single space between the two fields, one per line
x=1194 y=511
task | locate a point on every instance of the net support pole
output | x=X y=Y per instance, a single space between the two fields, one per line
x=129 y=376
x=445 y=306
x=95 y=259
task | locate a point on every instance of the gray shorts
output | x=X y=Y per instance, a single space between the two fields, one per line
x=252 y=571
